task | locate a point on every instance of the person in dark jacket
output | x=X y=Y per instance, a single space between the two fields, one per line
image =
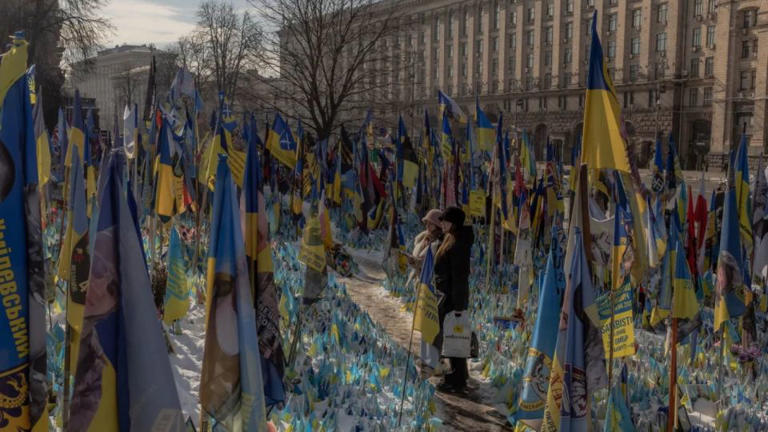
x=452 y=280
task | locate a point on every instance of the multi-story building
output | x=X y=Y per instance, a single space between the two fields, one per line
x=685 y=68
x=114 y=78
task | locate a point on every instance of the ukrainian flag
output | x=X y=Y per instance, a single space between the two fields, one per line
x=538 y=363
x=166 y=203
x=446 y=141
x=231 y=387
x=684 y=302
x=76 y=134
x=527 y=160
x=123 y=352
x=74 y=259
x=408 y=167
x=731 y=298
x=261 y=271
x=22 y=316
x=280 y=142
x=743 y=197
x=674 y=172
x=90 y=169
x=602 y=140
x=618 y=417
x=43 y=149
x=176 y=288
x=426 y=316
x=620 y=244
x=485 y=132
x=450 y=107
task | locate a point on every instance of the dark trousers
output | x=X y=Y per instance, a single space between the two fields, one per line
x=460 y=374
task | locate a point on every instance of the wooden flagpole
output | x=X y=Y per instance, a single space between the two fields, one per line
x=672 y=414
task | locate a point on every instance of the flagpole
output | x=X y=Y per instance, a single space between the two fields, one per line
x=490 y=241
x=672 y=378
x=408 y=358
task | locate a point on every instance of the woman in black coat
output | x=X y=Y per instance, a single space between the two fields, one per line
x=452 y=280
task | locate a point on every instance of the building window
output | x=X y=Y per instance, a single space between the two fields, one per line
x=480 y=21
x=496 y=15
x=449 y=52
x=745 y=49
x=422 y=38
x=661 y=13
x=494 y=44
x=711 y=36
x=612 y=2
x=651 y=98
x=661 y=42
x=449 y=25
x=465 y=23
x=694 y=73
x=547 y=80
x=463 y=68
x=635 y=46
x=550 y=9
x=707 y=96
x=547 y=58
x=531 y=14
x=633 y=72
x=513 y=43
x=529 y=62
x=479 y=47
x=513 y=17
x=562 y=102
x=750 y=16
x=569 y=6
x=436 y=31
x=744 y=78
x=548 y=36
x=581 y=100
x=567 y=56
x=711 y=6
x=693 y=97
x=698 y=7
x=611 y=49
x=531 y=38
x=629 y=99
x=449 y=71
x=495 y=67
x=568 y=31
x=753 y=75
x=696 y=40
x=542 y=104
x=637 y=18
x=463 y=49
x=612 y=22
x=709 y=67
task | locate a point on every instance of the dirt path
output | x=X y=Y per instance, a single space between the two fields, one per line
x=473 y=412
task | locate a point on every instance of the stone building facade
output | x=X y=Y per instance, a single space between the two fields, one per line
x=685 y=68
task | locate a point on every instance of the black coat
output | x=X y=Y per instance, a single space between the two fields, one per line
x=452 y=271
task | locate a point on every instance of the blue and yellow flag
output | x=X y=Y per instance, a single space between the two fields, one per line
x=731 y=296
x=449 y=107
x=527 y=159
x=674 y=173
x=684 y=302
x=426 y=317
x=538 y=364
x=261 y=271
x=168 y=193
x=280 y=142
x=485 y=132
x=123 y=378
x=602 y=139
x=43 y=149
x=618 y=418
x=743 y=197
x=176 y=287
x=620 y=245
x=231 y=387
x=446 y=141
x=76 y=137
x=22 y=322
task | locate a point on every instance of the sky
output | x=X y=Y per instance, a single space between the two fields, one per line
x=160 y=22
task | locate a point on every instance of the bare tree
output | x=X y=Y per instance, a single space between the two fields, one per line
x=331 y=56
x=231 y=43
x=194 y=55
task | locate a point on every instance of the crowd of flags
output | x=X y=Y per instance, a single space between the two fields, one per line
x=157 y=175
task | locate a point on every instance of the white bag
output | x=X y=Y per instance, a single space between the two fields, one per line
x=457 y=334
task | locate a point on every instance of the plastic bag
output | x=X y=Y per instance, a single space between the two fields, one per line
x=456 y=335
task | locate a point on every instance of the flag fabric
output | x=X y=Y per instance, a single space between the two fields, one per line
x=130 y=130
x=684 y=302
x=176 y=301
x=743 y=198
x=408 y=162
x=730 y=297
x=657 y=178
x=281 y=143
x=538 y=364
x=91 y=139
x=426 y=317
x=618 y=418
x=567 y=406
x=76 y=137
x=674 y=173
x=61 y=133
x=449 y=107
x=231 y=387
x=23 y=336
x=620 y=245
x=485 y=132
x=602 y=139
x=261 y=270
x=43 y=149
x=123 y=379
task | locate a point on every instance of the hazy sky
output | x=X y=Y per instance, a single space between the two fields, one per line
x=153 y=21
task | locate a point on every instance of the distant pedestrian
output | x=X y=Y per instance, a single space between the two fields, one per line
x=452 y=267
